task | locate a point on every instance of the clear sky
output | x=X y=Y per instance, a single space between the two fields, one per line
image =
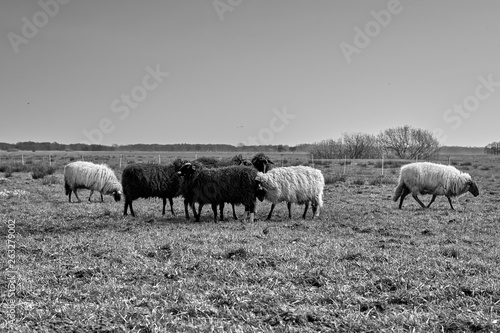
x=247 y=71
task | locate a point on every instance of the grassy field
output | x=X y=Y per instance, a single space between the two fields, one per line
x=365 y=266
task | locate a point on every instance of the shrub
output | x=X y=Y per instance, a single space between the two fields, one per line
x=51 y=180
x=332 y=179
x=8 y=172
x=465 y=163
x=358 y=181
x=19 y=167
x=381 y=180
x=40 y=171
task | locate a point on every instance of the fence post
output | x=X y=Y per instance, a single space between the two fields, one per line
x=345 y=163
x=159 y=159
x=382 y=164
x=22 y=159
x=312 y=160
x=121 y=157
x=50 y=160
x=449 y=160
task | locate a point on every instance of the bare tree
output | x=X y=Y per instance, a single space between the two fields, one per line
x=327 y=149
x=360 y=145
x=492 y=148
x=409 y=143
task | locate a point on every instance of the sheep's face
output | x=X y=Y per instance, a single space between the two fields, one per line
x=178 y=163
x=261 y=162
x=238 y=160
x=262 y=186
x=186 y=170
x=473 y=188
x=117 y=195
x=260 y=193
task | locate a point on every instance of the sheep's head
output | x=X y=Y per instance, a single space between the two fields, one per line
x=239 y=160
x=260 y=192
x=178 y=163
x=261 y=162
x=473 y=188
x=187 y=170
x=117 y=195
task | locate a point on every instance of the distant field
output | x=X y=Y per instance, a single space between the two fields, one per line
x=365 y=266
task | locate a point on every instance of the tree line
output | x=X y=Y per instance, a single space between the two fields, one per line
x=404 y=142
x=180 y=147
x=492 y=148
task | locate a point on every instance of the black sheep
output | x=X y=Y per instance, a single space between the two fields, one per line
x=142 y=180
x=212 y=162
x=233 y=184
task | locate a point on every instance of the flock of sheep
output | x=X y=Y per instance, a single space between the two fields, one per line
x=239 y=181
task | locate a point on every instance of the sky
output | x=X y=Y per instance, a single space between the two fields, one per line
x=247 y=72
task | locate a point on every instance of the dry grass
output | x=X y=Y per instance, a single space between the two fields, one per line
x=364 y=267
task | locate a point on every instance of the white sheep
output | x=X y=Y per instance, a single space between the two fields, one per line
x=94 y=177
x=294 y=184
x=436 y=179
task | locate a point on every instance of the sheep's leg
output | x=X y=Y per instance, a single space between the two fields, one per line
x=164 y=204
x=449 y=200
x=90 y=196
x=234 y=213
x=418 y=200
x=102 y=199
x=69 y=198
x=305 y=210
x=171 y=206
x=250 y=211
x=432 y=200
x=221 y=210
x=186 y=211
x=196 y=215
x=271 y=211
x=128 y=204
x=406 y=191
x=289 y=206
x=315 y=210
x=131 y=209
x=214 y=209
x=76 y=195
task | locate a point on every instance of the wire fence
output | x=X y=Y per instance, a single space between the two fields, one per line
x=362 y=170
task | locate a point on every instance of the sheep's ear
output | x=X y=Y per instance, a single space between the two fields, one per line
x=269 y=161
x=193 y=167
